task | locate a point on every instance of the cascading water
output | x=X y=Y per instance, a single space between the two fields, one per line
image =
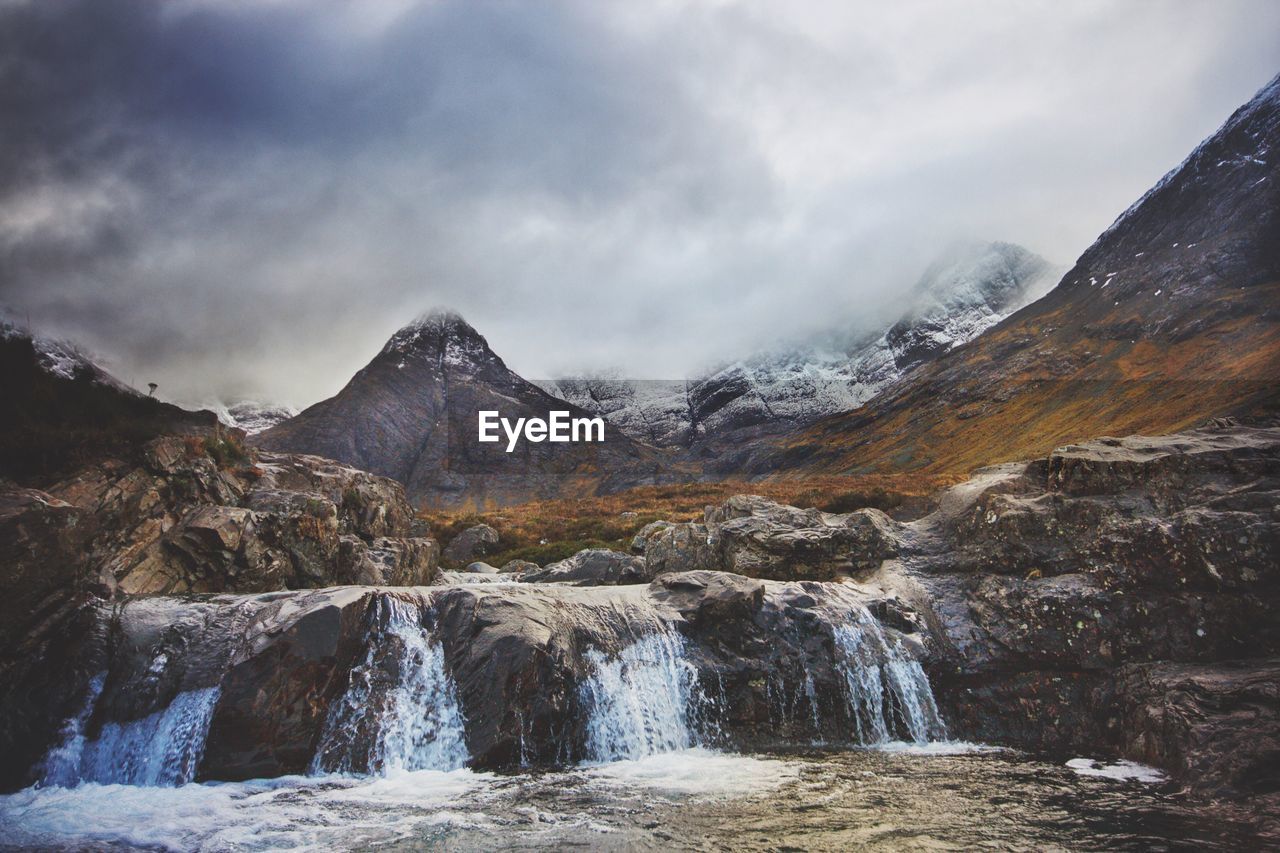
x=162 y=749
x=887 y=690
x=400 y=710
x=643 y=701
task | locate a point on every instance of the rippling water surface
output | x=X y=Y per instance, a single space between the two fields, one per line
x=936 y=797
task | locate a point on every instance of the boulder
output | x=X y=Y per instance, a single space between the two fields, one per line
x=640 y=540
x=389 y=562
x=479 y=568
x=757 y=537
x=592 y=567
x=512 y=567
x=476 y=541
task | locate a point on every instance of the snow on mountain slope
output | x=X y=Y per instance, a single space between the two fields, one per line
x=961 y=295
x=250 y=415
x=60 y=358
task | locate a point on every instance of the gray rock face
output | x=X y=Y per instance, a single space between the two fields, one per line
x=758 y=537
x=1099 y=595
x=513 y=567
x=592 y=567
x=184 y=521
x=1219 y=723
x=475 y=541
x=412 y=414
x=518 y=657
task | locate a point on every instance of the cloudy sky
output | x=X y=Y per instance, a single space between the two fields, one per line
x=247 y=197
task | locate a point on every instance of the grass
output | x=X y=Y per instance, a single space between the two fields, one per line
x=546 y=531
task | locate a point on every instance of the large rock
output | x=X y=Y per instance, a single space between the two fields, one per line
x=390 y=561
x=1107 y=598
x=1216 y=724
x=592 y=567
x=476 y=541
x=757 y=537
x=185 y=521
x=42 y=550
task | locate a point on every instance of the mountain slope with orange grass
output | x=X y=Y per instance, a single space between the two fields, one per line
x=1171 y=317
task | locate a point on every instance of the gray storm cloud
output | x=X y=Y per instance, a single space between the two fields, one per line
x=247 y=198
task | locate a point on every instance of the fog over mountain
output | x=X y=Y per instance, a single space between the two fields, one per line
x=243 y=200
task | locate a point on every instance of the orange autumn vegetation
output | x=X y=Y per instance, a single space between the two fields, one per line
x=544 y=531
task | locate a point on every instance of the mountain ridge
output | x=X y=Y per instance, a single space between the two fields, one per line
x=1170 y=317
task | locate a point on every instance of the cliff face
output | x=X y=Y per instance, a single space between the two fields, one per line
x=1169 y=317
x=411 y=414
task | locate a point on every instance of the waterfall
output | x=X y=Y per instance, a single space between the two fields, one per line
x=887 y=689
x=61 y=767
x=163 y=748
x=400 y=710
x=643 y=701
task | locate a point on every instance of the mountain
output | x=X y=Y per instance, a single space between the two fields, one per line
x=963 y=293
x=1170 y=317
x=412 y=414
x=252 y=416
x=61 y=410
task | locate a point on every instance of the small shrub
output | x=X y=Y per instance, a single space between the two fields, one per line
x=226 y=450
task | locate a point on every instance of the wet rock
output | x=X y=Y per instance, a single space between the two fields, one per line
x=42 y=545
x=708 y=599
x=274 y=701
x=592 y=567
x=475 y=541
x=1216 y=726
x=1106 y=599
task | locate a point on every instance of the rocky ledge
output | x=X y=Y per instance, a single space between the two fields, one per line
x=1118 y=596
x=192 y=514
x=310 y=679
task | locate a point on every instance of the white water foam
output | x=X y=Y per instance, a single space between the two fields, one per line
x=1123 y=770
x=292 y=812
x=61 y=766
x=413 y=722
x=696 y=771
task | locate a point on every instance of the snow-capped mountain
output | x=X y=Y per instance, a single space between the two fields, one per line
x=1169 y=318
x=961 y=295
x=250 y=415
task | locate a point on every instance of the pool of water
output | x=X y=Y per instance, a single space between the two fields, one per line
x=943 y=796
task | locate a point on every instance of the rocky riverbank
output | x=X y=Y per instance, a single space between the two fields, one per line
x=1110 y=599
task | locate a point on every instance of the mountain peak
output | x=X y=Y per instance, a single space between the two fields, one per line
x=436 y=331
